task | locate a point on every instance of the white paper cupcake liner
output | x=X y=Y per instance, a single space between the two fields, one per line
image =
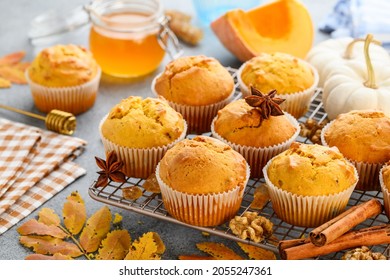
x=73 y=99
x=297 y=104
x=138 y=162
x=368 y=172
x=385 y=192
x=258 y=157
x=306 y=211
x=198 y=118
x=202 y=210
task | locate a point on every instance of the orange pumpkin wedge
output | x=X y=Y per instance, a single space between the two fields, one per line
x=279 y=26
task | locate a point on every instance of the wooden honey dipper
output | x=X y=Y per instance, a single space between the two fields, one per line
x=56 y=120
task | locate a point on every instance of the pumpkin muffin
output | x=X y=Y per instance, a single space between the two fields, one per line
x=294 y=79
x=309 y=184
x=197 y=87
x=258 y=139
x=202 y=181
x=384 y=179
x=362 y=136
x=141 y=131
x=64 y=77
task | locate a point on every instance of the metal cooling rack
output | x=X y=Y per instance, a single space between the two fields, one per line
x=151 y=204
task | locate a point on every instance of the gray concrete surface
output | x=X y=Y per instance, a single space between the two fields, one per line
x=15 y=16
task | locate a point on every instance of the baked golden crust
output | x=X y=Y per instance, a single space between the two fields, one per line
x=62 y=66
x=386 y=176
x=361 y=135
x=239 y=123
x=203 y=165
x=311 y=170
x=142 y=123
x=195 y=80
x=283 y=72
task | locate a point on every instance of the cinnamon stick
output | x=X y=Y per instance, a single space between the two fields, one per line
x=368 y=236
x=347 y=220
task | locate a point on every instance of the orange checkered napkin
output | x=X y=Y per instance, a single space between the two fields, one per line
x=50 y=154
x=45 y=189
x=16 y=145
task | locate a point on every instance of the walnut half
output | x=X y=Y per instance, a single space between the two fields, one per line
x=251 y=225
x=363 y=253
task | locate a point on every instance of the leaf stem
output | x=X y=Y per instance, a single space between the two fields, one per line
x=75 y=241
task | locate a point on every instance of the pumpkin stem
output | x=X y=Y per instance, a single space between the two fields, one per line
x=370 y=70
x=349 y=49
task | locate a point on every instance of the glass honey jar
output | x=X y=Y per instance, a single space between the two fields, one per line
x=128 y=38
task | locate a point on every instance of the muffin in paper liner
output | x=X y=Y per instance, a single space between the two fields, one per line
x=257 y=157
x=72 y=99
x=386 y=192
x=298 y=103
x=138 y=162
x=368 y=172
x=202 y=209
x=306 y=211
x=198 y=118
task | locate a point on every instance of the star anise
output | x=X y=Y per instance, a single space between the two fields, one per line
x=110 y=170
x=266 y=104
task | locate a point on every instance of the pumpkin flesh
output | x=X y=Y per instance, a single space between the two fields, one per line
x=280 y=26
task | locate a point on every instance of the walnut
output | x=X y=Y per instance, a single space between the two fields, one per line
x=311 y=129
x=363 y=253
x=251 y=225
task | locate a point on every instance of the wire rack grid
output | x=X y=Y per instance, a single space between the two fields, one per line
x=151 y=204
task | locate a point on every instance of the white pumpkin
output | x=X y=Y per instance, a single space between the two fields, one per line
x=332 y=53
x=355 y=86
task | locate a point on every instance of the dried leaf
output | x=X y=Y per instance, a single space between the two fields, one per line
x=195 y=258
x=117 y=219
x=132 y=192
x=160 y=244
x=56 y=256
x=50 y=245
x=115 y=246
x=12 y=58
x=145 y=248
x=48 y=217
x=257 y=253
x=218 y=251
x=22 y=66
x=260 y=197
x=96 y=229
x=4 y=83
x=74 y=213
x=12 y=74
x=151 y=184
x=33 y=227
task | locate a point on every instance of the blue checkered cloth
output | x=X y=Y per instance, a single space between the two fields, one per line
x=357 y=18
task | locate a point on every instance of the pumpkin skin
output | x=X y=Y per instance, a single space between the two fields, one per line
x=279 y=26
x=330 y=54
x=344 y=90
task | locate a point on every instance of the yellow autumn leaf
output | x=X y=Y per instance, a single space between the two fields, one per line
x=56 y=256
x=257 y=253
x=74 y=213
x=96 y=229
x=115 y=246
x=218 y=251
x=12 y=58
x=33 y=227
x=145 y=248
x=13 y=74
x=49 y=245
x=48 y=217
x=4 y=83
x=160 y=244
x=195 y=258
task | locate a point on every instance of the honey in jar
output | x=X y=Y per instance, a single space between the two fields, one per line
x=126 y=36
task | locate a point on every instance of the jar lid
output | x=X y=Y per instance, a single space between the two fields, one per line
x=56 y=22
